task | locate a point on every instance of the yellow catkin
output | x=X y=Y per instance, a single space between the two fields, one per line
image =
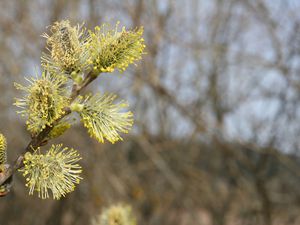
x=44 y=101
x=67 y=51
x=57 y=170
x=3 y=145
x=104 y=119
x=116 y=215
x=111 y=49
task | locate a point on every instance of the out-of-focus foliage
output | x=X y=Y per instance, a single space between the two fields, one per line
x=216 y=104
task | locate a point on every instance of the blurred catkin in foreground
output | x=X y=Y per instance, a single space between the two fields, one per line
x=116 y=215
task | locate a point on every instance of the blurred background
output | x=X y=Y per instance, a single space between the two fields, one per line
x=217 y=113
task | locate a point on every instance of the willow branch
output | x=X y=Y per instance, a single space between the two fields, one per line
x=40 y=139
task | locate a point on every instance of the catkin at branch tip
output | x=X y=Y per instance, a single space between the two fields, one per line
x=111 y=49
